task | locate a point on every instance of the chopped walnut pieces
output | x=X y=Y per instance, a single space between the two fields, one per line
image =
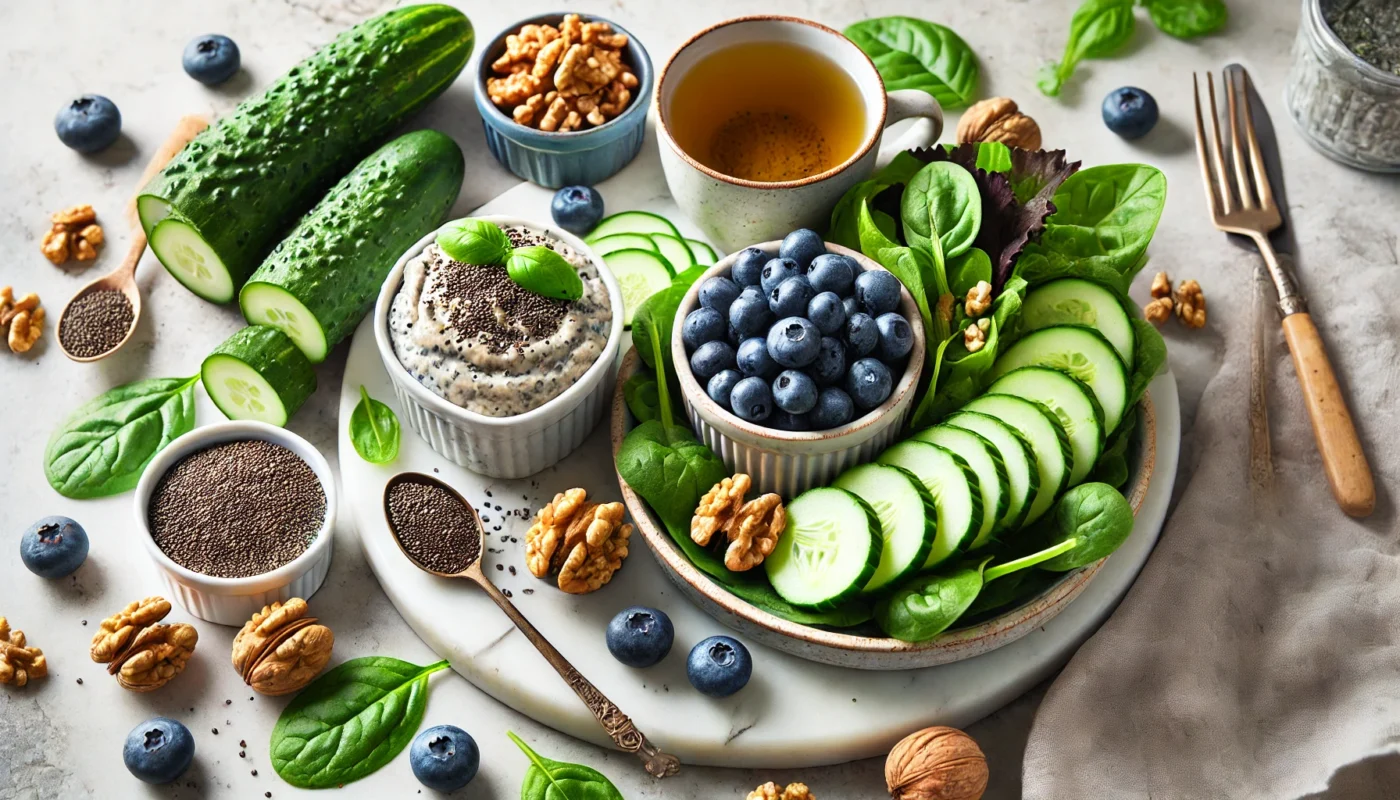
x=74 y=217
x=563 y=78
x=717 y=507
x=979 y=299
x=584 y=543
x=1161 y=286
x=1158 y=311
x=25 y=330
x=75 y=234
x=544 y=538
x=975 y=336
x=793 y=791
x=1191 y=304
x=18 y=661
x=754 y=532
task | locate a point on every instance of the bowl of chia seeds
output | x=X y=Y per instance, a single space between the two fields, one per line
x=238 y=515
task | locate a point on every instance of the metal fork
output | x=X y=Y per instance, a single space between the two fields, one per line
x=1248 y=208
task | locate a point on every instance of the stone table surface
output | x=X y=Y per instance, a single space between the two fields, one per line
x=60 y=737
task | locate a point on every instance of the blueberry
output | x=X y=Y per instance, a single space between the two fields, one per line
x=794 y=342
x=869 y=383
x=776 y=271
x=830 y=365
x=785 y=421
x=834 y=409
x=877 y=291
x=719 y=293
x=640 y=636
x=752 y=399
x=54 y=547
x=794 y=392
x=576 y=209
x=719 y=666
x=88 y=124
x=1129 y=112
x=861 y=334
x=802 y=245
x=831 y=272
x=711 y=357
x=850 y=306
x=753 y=359
x=211 y=59
x=748 y=266
x=749 y=314
x=702 y=325
x=722 y=385
x=158 y=750
x=790 y=298
x=896 y=337
x=444 y=758
x=827 y=313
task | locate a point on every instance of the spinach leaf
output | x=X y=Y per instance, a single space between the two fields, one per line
x=1010 y=592
x=651 y=327
x=966 y=270
x=350 y=721
x=914 y=54
x=927 y=605
x=1149 y=355
x=942 y=202
x=542 y=271
x=705 y=559
x=547 y=779
x=374 y=430
x=1187 y=19
x=961 y=375
x=762 y=595
x=641 y=396
x=1096 y=518
x=687 y=277
x=846 y=215
x=1097 y=30
x=105 y=443
x=1105 y=217
x=1112 y=467
x=922 y=278
x=475 y=241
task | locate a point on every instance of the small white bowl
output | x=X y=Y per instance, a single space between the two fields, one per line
x=232 y=601
x=791 y=462
x=504 y=447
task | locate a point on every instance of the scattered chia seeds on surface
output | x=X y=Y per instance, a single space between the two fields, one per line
x=434 y=527
x=237 y=509
x=96 y=322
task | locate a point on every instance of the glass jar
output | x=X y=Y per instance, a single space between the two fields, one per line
x=1345 y=106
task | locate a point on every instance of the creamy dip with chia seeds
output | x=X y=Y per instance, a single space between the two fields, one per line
x=475 y=338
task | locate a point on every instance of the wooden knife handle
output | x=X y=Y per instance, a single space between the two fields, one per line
x=1342 y=457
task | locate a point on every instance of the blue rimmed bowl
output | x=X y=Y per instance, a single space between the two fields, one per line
x=583 y=157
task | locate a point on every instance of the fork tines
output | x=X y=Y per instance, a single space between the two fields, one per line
x=1248 y=195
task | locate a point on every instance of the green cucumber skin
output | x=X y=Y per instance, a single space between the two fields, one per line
x=335 y=260
x=242 y=181
x=273 y=355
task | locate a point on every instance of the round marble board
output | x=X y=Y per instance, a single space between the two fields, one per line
x=793 y=713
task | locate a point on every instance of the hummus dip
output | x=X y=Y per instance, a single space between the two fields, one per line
x=478 y=340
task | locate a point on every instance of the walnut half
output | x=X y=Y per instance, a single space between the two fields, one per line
x=142 y=654
x=998 y=119
x=18 y=661
x=752 y=529
x=281 y=649
x=771 y=791
x=584 y=543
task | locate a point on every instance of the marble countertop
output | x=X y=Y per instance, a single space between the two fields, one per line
x=60 y=737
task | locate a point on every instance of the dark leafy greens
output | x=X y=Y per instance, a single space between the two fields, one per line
x=374 y=430
x=1100 y=28
x=1187 y=19
x=914 y=54
x=547 y=779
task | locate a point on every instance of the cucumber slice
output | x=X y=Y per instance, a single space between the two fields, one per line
x=827 y=552
x=640 y=274
x=957 y=499
x=984 y=460
x=191 y=260
x=906 y=514
x=622 y=241
x=1022 y=475
x=1047 y=438
x=1071 y=402
x=272 y=305
x=1081 y=353
x=701 y=252
x=674 y=250
x=260 y=374
x=643 y=222
x=1072 y=301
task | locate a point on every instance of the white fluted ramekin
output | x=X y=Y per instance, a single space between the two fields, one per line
x=504 y=447
x=232 y=601
x=791 y=462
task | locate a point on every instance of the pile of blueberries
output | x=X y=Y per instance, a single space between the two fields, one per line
x=804 y=341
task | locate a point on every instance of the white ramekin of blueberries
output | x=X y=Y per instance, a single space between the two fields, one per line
x=797 y=359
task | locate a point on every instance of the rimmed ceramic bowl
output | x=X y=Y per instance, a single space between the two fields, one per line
x=858 y=651
x=503 y=447
x=232 y=601
x=791 y=462
x=554 y=159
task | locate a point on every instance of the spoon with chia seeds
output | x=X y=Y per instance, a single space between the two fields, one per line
x=102 y=316
x=441 y=533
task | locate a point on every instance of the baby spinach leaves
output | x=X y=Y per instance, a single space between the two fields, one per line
x=374 y=430
x=915 y=54
x=1106 y=216
x=1187 y=19
x=105 y=443
x=350 y=721
x=474 y=241
x=542 y=271
x=547 y=779
x=930 y=604
x=942 y=202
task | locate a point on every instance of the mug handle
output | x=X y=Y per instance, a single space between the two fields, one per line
x=906 y=103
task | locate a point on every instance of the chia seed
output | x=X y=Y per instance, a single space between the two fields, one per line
x=434 y=527
x=96 y=323
x=237 y=509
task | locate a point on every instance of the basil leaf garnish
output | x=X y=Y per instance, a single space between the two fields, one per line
x=543 y=271
x=475 y=241
x=374 y=430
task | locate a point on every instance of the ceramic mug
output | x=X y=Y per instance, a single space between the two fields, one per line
x=734 y=212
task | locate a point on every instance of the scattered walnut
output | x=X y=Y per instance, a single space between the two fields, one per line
x=1191 y=304
x=561 y=79
x=979 y=299
x=793 y=791
x=281 y=649
x=717 y=507
x=18 y=661
x=936 y=764
x=754 y=532
x=25 y=330
x=74 y=217
x=1158 y=311
x=117 y=631
x=1161 y=286
x=585 y=543
x=543 y=539
x=75 y=234
x=997 y=119
x=55 y=246
x=143 y=655
x=975 y=336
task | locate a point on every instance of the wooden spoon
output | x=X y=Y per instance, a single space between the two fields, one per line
x=618 y=726
x=123 y=278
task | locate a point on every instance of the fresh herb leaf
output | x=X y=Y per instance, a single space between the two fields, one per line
x=475 y=241
x=993 y=157
x=1149 y=356
x=942 y=201
x=1096 y=517
x=374 y=430
x=350 y=721
x=928 y=605
x=547 y=779
x=914 y=54
x=965 y=271
x=542 y=271
x=921 y=276
x=1097 y=30
x=1187 y=19
x=105 y=443
x=845 y=216
x=652 y=324
x=689 y=276
x=1105 y=217
x=1112 y=467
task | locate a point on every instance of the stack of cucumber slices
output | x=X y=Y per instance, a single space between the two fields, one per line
x=645 y=251
x=984 y=473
